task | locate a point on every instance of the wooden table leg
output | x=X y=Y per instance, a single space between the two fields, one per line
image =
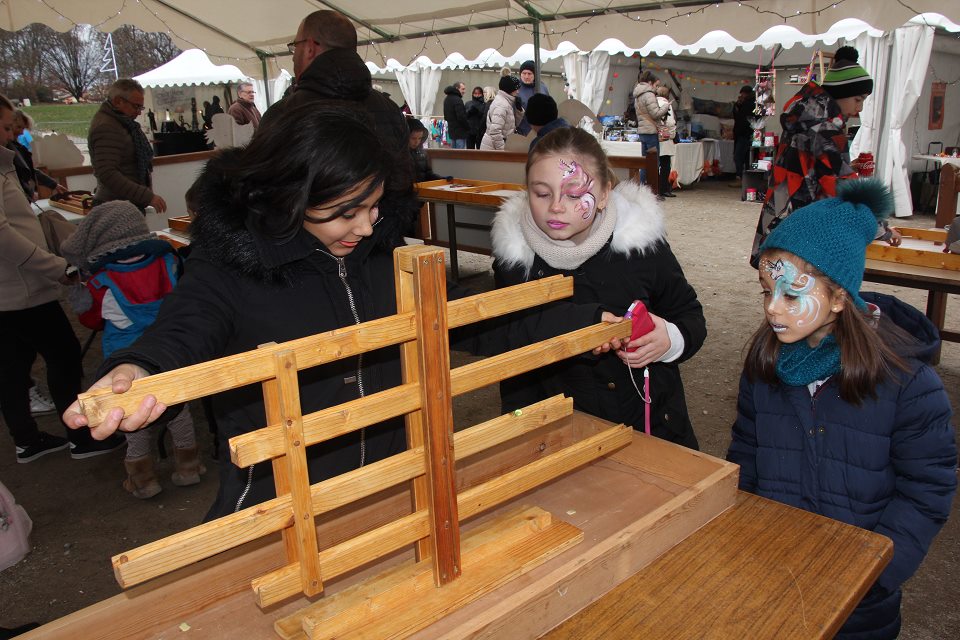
x=936 y=312
x=452 y=238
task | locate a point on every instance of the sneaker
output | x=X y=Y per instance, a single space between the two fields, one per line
x=40 y=403
x=45 y=444
x=96 y=447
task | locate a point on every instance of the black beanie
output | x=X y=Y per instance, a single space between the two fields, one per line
x=541 y=109
x=509 y=84
x=528 y=66
x=845 y=78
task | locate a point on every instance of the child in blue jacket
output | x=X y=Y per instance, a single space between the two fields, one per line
x=128 y=272
x=837 y=415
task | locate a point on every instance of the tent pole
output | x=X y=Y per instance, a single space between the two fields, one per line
x=266 y=81
x=536 y=56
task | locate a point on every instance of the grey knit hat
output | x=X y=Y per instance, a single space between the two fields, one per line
x=107 y=228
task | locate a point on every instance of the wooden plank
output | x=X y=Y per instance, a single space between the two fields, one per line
x=193 y=545
x=283 y=583
x=410 y=370
x=935 y=235
x=412 y=604
x=436 y=400
x=281 y=479
x=934 y=258
x=947 y=194
x=490 y=370
x=214 y=376
x=760 y=570
x=298 y=474
x=291 y=627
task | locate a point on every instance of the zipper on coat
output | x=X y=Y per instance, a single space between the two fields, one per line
x=342 y=273
x=246 y=489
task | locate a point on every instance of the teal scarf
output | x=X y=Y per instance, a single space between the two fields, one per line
x=798 y=364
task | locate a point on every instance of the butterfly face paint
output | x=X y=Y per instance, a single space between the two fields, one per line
x=796 y=303
x=564 y=197
x=578 y=184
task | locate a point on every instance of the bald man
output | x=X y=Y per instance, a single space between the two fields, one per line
x=327 y=67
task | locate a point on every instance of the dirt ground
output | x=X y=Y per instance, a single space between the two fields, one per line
x=82 y=516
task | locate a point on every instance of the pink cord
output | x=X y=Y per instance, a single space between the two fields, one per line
x=646 y=404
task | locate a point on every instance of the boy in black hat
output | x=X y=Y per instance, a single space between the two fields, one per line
x=543 y=116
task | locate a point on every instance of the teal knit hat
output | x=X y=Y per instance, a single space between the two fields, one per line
x=845 y=78
x=833 y=234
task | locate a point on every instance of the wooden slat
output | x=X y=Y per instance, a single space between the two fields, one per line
x=281 y=479
x=934 y=258
x=298 y=473
x=283 y=583
x=193 y=545
x=436 y=400
x=327 y=424
x=490 y=370
x=403 y=266
x=410 y=605
x=215 y=376
x=936 y=235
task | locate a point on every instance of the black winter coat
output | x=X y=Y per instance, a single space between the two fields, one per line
x=340 y=74
x=241 y=290
x=455 y=114
x=635 y=264
x=476 y=113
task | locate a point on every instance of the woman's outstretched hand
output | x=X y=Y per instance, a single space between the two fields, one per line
x=119 y=380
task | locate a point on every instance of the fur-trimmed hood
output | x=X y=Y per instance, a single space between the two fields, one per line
x=639 y=226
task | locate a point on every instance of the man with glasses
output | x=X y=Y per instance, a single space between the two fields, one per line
x=327 y=68
x=244 y=110
x=120 y=153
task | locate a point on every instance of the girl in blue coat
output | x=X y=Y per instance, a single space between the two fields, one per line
x=836 y=415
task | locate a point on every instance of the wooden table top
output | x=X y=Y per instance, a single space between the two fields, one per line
x=760 y=570
x=909 y=275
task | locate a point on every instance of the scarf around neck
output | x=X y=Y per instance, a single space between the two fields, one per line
x=142 y=150
x=798 y=364
x=566 y=254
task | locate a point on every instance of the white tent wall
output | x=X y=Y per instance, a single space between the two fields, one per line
x=177 y=100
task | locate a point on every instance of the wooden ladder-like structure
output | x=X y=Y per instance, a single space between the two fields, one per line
x=448 y=571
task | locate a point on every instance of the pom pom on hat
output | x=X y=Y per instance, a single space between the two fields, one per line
x=509 y=84
x=541 y=109
x=107 y=228
x=832 y=235
x=845 y=78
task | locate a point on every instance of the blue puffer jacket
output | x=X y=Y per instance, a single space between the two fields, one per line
x=887 y=466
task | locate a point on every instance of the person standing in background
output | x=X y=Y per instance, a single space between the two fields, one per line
x=650 y=114
x=528 y=77
x=120 y=153
x=32 y=321
x=456 y=115
x=503 y=115
x=742 y=131
x=475 y=115
x=667 y=147
x=244 y=110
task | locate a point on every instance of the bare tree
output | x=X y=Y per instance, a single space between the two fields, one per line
x=75 y=59
x=25 y=72
x=140 y=51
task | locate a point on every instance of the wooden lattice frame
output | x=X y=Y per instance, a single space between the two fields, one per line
x=420 y=327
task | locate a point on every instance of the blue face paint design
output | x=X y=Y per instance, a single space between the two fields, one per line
x=793 y=287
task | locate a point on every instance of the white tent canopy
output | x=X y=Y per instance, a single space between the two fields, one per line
x=249 y=32
x=192 y=67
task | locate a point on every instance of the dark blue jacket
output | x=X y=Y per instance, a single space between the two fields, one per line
x=887 y=466
x=558 y=123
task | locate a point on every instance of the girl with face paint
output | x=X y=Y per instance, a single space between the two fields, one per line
x=838 y=414
x=574 y=219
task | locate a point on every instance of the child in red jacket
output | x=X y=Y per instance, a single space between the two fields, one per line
x=129 y=272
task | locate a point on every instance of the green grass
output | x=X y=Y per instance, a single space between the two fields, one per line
x=70 y=119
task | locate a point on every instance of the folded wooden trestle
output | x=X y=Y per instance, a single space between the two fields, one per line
x=456 y=571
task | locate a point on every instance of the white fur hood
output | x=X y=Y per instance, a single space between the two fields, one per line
x=639 y=225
